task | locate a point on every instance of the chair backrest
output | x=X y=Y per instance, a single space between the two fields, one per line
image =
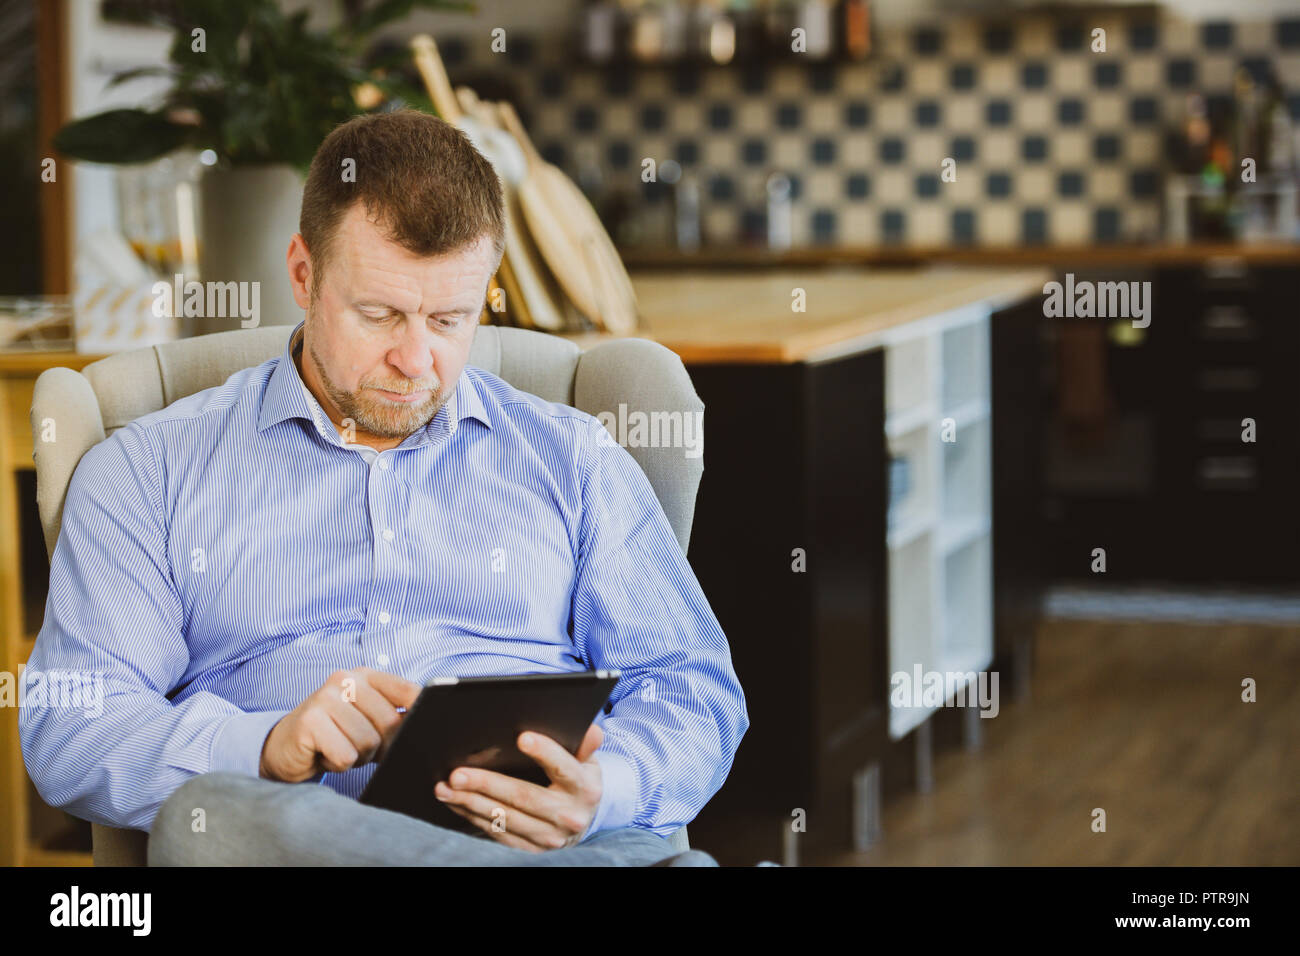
x=89 y=405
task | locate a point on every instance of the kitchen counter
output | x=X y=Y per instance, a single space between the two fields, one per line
x=736 y=316
x=1151 y=254
x=829 y=482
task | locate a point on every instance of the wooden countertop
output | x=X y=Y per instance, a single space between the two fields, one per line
x=736 y=317
x=34 y=361
x=739 y=316
x=1151 y=254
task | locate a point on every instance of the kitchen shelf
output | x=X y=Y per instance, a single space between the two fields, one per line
x=910 y=418
x=968 y=412
x=912 y=620
x=918 y=502
x=961 y=532
x=909 y=375
x=1120 y=254
x=30 y=832
x=967 y=607
x=902 y=535
x=965 y=359
x=940 y=534
x=40 y=856
x=966 y=478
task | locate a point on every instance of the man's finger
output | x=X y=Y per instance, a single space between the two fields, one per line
x=512 y=819
x=507 y=791
x=381 y=714
x=591 y=742
x=561 y=766
x=399 y=691
x=335 y=752
x=501 y=836
x=363 y=736
x=340 y=705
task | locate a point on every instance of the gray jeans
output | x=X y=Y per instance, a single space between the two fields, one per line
x=248 y=821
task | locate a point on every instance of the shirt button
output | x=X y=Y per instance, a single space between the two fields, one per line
x=383 y=463
x=381 y=660
x=388 y=534
x=383 y=617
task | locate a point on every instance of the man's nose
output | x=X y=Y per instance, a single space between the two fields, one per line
x=413 y=353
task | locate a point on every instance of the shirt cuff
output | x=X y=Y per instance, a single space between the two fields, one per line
x=620 y=789
x=238 y=746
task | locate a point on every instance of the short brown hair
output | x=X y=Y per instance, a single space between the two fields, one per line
x=419 y=178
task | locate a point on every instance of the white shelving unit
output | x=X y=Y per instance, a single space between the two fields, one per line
x=940 y=528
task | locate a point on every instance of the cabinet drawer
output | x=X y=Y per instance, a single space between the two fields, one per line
x=1227 y=322
x=1244 y=328
x=1224 y=385
x=1229 y=273
x=1227 y=473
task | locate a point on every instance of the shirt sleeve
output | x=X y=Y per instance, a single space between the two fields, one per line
x=113 y=752
x=678 y=713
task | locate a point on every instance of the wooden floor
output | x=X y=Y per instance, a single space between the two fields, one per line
x=1144 y=721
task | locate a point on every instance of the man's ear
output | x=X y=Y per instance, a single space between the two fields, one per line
x=298 y=260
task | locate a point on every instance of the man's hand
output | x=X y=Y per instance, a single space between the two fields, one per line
x=522 y=814
x=348 y=722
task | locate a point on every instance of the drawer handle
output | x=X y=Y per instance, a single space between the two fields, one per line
x=1228 y=379
x=1227 y=473
x=1225 y=268
x=1220 y=429
x=1227 y=322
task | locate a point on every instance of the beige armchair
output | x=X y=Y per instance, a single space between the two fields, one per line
x=90 y=405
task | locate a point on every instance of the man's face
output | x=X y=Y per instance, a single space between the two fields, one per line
x=389 y=332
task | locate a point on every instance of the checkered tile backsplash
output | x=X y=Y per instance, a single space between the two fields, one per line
x=1054 y=143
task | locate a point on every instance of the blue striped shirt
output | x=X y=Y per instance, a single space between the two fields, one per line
x=220 y=558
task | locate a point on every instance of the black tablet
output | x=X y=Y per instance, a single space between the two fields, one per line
x=475 y=722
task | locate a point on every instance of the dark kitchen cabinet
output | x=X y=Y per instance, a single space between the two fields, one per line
x=1019 y=426
x=1178 y=495
x=1229 y=505
x=796 y=467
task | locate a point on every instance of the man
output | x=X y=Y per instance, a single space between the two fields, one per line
x=267 y=571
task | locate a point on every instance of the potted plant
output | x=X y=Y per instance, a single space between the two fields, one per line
x=254 y=89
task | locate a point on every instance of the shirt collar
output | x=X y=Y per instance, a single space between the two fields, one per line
x=287 y=396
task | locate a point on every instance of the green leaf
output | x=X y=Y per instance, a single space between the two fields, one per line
x=267 y=87
x=120 y=136
x=127 y=75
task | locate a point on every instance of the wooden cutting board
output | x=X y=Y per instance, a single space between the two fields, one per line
x=572 y=239
x=530 y=282
x=517 y=278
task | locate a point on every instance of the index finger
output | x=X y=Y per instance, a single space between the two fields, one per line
x=397 y=690
x=561 y=766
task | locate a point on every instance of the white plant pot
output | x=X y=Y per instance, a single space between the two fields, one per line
x=247 y=217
